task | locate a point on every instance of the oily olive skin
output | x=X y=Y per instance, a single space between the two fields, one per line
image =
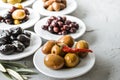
x=46 y=49
x=71 y=60
x=54 y=61
x=82 y=44
x=7 y=49
x=67 y=39
x=56 y=50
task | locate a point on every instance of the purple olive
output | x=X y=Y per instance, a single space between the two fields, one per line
x=67 y=22
x=60 y=23
x=53 y=17
x=45 y=27
x=73 y=30
x=12 y=9
x=56 y=29
x=54 y=23
x=64 y=32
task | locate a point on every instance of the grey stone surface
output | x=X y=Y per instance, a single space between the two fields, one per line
x=102 y=18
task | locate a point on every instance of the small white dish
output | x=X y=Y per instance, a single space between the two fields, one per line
x=49 y=36
x=83 y=67
x=33 y=18
x=38 y=6
x=25 y=3
x=35 y=43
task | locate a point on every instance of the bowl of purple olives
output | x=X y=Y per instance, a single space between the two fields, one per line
x=17 y=43
x=54 y=27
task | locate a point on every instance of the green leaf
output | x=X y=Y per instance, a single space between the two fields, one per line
x=7 y=75
x=2 y=69
x=9 y=66
x=24 y=77
x=14 y=74
x=25 y=71
x=14 y=64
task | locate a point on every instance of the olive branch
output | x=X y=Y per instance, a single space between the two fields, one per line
x=15 y=71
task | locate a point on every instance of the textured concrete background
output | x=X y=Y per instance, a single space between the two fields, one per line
x=102 y=18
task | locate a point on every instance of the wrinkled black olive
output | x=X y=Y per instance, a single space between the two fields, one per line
x=16 y=31
x=7 y=49
x=19 y=46
x=2 y=42
x=13 y=37
x=24 y=39
x=28 y=34
x=4 y=36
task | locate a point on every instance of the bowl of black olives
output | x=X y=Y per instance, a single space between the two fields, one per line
x=17 y=43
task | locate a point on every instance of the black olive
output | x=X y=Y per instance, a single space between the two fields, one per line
x=2 y=42
x=1 y=18
x=19 y=46
x=4 y=36
x=9 y=21
x=24 y=39
x=16 y=31
x=13 y=37
x=28 y=34
x=7 y=49
x=8 y=16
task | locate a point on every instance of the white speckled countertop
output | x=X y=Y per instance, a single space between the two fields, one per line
x=102 y=18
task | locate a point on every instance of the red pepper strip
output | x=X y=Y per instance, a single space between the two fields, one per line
x=74 y=50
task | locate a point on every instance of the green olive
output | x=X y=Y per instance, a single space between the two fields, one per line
x=46 y=49
x=14 y=1
x=54 y=61
x=57 y=49
x=67 y=39
x=5 y=1
x=71 y=59
x=82 y=44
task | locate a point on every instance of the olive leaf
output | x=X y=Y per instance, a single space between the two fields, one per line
x=13 y=64
x=15 y=71
x=25 y=71
x=2 y=68
x=24 y=77
x=7 y=75
x=14 y=74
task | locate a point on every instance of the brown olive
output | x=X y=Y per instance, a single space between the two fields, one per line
x=54 y=61
x=67 y=39
x=56 y=6
x=50 y=8
x=62 y=6
x=82 y=44
x=48 y=3
x=64 y=2
x=46 y=49
x=71 y=59
x=44 y=0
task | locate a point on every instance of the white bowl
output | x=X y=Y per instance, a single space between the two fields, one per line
x=38 y=6
x=33 y=18
x=8 y=5
x=83 y=67
x=35 y=43
x=49 y=36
